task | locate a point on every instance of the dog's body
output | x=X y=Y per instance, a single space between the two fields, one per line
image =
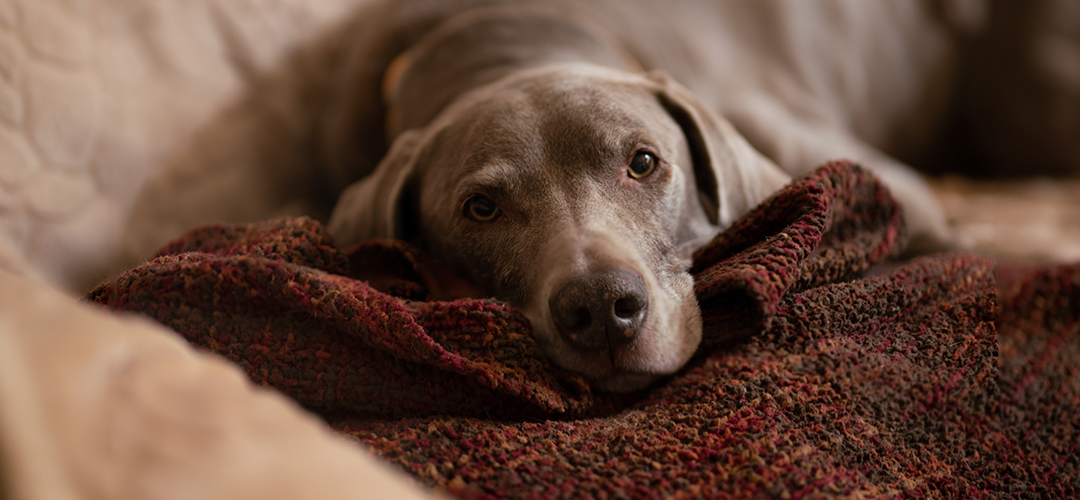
x=567 y=156
x=518 y=126
x=804 y=82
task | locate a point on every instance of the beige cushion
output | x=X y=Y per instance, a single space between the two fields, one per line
x=97 y=406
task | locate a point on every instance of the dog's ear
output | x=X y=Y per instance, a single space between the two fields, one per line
x=731 y=176
x=378 y=206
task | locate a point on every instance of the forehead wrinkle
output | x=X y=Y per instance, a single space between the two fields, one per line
x=502 y=128
x=502 y=163
x=583 y=140
x=591 y=130
x=496 y=144
x=490 y=176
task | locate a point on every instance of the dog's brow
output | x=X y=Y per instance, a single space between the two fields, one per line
x=489 y=176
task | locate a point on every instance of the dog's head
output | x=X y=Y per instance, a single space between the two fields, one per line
x=577 y=194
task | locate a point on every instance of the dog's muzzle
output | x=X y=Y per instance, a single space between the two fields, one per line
x=601 y=311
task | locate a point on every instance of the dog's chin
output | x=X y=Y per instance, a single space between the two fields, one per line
x=607 y=371
x=625 y=382
x=619 y=370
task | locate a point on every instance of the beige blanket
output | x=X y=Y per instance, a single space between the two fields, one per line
x=93 y=405
x=1028 y=219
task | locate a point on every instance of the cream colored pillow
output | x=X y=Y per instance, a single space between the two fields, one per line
x=93 y=405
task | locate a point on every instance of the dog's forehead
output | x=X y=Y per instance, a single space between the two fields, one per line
x=559 y=119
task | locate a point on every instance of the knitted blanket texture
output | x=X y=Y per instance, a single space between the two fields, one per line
x=827 y=369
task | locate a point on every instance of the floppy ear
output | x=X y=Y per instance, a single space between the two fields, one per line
x=378 y=206
x=731 y=176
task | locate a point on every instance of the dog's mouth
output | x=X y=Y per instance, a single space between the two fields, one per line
x=618 y=370
x=624 y=382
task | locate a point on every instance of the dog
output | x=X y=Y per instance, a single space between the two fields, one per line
x=577 y=193
x=568 y=156
x=537 y=158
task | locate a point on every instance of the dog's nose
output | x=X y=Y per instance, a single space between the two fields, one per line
x=601 y=310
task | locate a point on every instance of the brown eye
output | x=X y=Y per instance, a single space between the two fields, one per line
x=481 y=209
x=643 y=165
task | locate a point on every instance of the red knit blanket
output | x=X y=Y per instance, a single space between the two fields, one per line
x=825 y=370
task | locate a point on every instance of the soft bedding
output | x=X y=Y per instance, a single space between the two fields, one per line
x=96 y=96
x=828 y=369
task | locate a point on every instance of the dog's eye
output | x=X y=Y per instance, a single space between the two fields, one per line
x=642 y=165
x=481 y=209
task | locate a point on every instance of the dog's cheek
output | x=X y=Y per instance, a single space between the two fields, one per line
x=488 y=260
x=691 y=328
x=532 y=257
x=674 y=330
x=673 y=210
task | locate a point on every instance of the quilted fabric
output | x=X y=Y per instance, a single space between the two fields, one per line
x=826 y=371
x=97 y=95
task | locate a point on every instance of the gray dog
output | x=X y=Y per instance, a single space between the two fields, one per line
x=569 y=156
x=576 y=192
x=538 y=159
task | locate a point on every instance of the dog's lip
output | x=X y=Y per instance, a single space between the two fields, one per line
x=623 y=380
x=622 y=360
x=608 y=364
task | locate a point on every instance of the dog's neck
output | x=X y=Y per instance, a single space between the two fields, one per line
x=478 y=47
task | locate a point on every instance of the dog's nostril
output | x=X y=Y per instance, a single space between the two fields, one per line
x=628 y=307
x=577 y=320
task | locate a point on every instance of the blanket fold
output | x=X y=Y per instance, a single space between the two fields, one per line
x=825 y=227
x=273 y=297
x=818 y=374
